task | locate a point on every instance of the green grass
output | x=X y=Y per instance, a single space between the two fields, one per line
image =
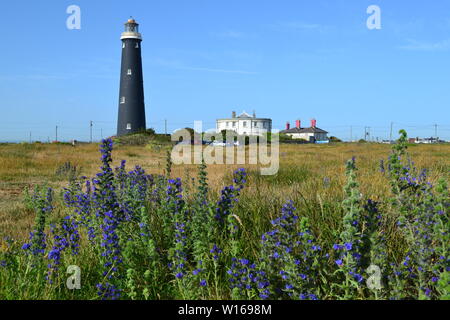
x=311 y=176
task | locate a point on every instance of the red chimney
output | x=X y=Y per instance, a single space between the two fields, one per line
x=313 y=123
x=298 y=124
x=288 y=125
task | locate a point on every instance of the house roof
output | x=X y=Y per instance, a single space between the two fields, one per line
x=250 y=118
x=244 y=116
x=304 y=130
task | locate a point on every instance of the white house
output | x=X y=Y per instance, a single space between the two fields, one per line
x=245 y=124
x=312 y=134
x=426 y=140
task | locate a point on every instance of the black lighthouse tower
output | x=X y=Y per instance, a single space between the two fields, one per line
x=131 y=95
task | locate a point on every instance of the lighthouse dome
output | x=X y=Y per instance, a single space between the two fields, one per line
x=131 y=30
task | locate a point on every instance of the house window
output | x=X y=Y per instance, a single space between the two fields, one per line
x=129 y=72
x=122 y=100
x=137 y=45
x=234 y=124
x=128 y=126
x=228 y=124
x=255 y=124
x=244 y=124
x=264 y=125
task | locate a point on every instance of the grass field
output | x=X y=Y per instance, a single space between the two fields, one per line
x=303 y=175
x=312 y=176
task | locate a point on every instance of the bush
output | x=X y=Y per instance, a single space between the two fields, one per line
x=335 y=139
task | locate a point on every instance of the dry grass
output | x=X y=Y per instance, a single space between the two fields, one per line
x=311 y=175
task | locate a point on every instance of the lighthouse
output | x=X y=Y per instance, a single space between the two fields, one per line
x=131 y=94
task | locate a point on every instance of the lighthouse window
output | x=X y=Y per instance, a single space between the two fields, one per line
x=123 y=45
x=122 y=100
x=128 y=126
x=137 y=45
x=129 y=72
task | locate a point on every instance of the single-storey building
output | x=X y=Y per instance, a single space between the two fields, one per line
x=311 y=134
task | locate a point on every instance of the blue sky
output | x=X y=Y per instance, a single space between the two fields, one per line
x=286 y=59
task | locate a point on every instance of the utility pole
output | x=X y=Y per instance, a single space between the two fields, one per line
x=392 y=127
x=91 y=129
x=30 y=137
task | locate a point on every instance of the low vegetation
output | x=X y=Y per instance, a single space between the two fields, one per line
x=341 y=221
